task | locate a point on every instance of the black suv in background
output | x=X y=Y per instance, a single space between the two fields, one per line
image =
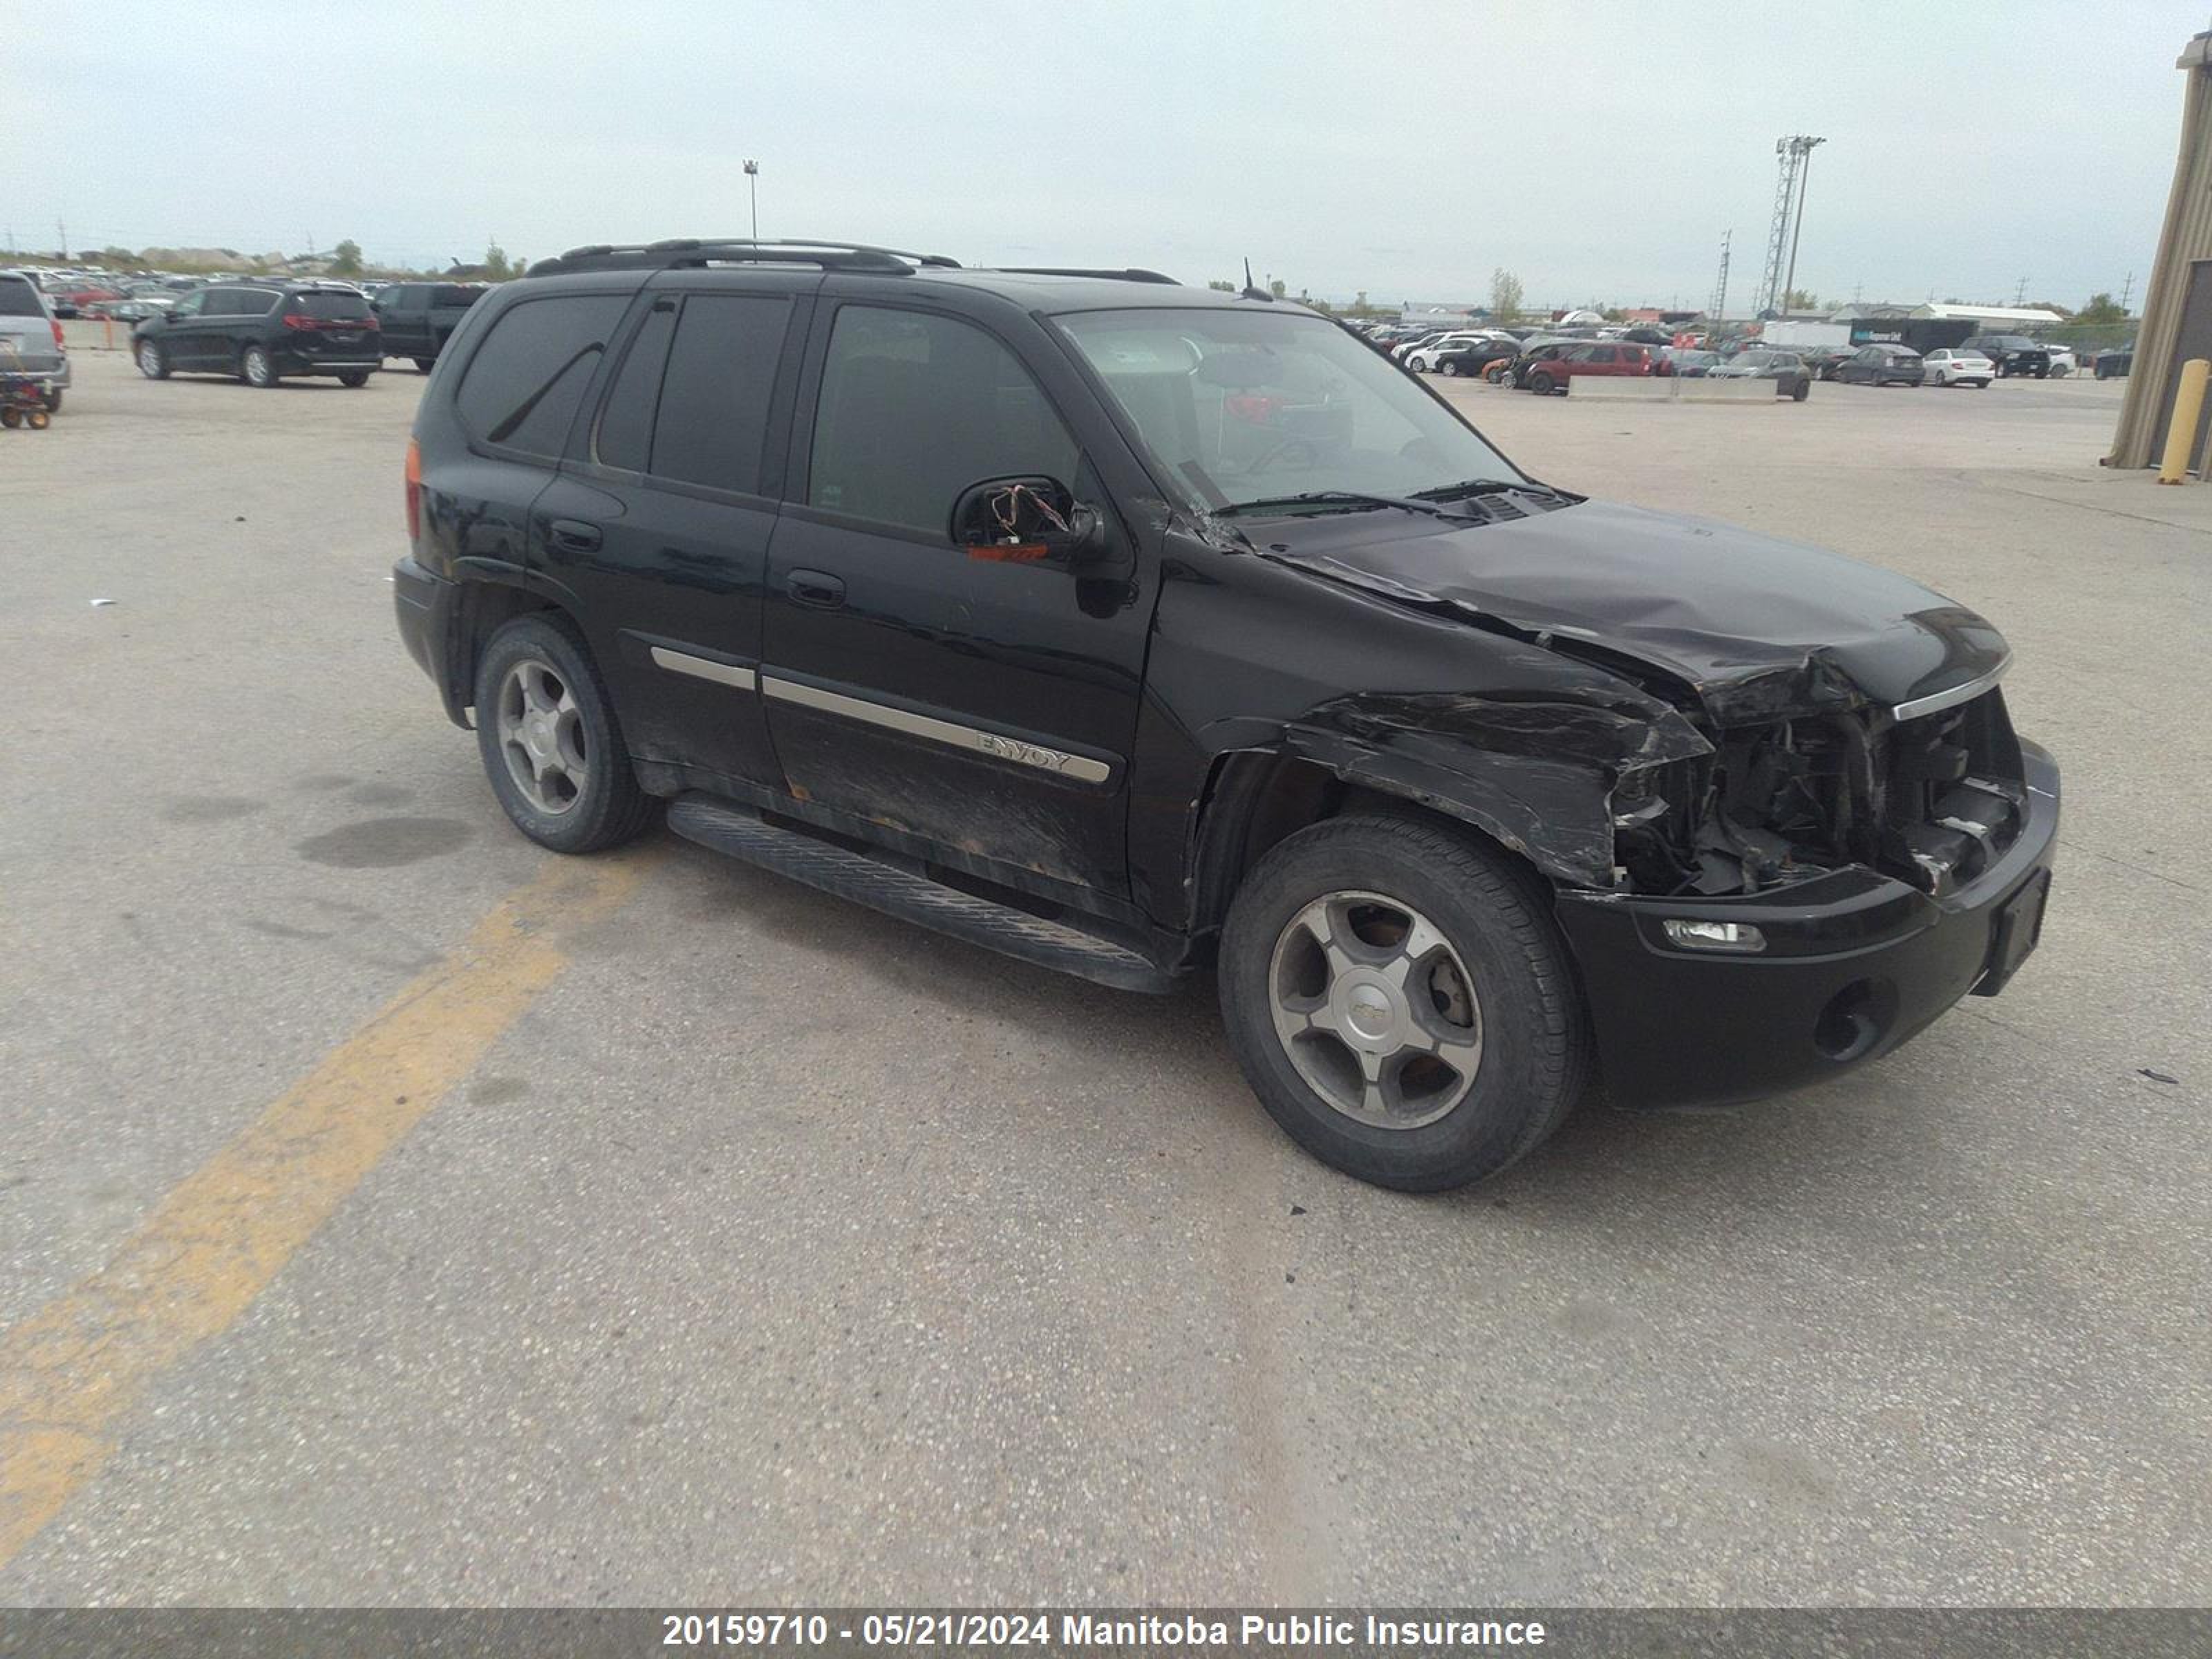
x=2013 y=354
x=263 y=332
x=419 y=318
x=1124 y=627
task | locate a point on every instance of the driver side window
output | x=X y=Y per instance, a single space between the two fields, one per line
x=915 y=407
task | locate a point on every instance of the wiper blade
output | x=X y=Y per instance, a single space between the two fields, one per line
x=1467 y=487
x=1341 y=498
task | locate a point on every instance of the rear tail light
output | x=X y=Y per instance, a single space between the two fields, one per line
x=59 y=343
x=414 y=491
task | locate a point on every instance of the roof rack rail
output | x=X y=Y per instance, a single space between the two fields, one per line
x=682 y=251
x=1134 y=274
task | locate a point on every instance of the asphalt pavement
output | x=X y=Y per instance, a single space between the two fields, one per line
x=390 y=1212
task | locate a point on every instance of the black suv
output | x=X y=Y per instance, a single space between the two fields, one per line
x=1124 y=627
x=2013 y=354
x=418 y=318
x=263 y=332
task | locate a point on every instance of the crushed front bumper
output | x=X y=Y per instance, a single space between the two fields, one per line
x=1855 y=962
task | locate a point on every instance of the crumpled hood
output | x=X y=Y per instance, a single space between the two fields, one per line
x=1761 y=629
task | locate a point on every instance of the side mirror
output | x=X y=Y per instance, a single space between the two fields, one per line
x=1031 y=520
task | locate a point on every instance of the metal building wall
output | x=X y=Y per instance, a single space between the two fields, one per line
x=2186 y=238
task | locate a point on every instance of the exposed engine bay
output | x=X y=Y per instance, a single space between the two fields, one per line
x=1932 y=801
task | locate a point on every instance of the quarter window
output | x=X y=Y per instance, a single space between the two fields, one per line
x=691 y=402
x=523 y=384
x=916 y=407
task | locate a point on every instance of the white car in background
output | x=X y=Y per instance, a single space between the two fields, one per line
x=1422 y=360
x=1952 y=366
x=2061 y=359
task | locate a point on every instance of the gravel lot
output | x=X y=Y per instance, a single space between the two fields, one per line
x=775 y=1251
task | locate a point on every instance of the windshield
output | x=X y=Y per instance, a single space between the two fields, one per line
x=1242 y=407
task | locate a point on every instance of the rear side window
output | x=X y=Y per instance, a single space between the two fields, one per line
x=915 y=408
x=451 y=296
x=19 y=299
x=691 y=400
x=523 y=384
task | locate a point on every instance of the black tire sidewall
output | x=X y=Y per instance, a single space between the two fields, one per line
x=612 y=808
x=160 y=370
x=1533 y=1026
x=246 y=366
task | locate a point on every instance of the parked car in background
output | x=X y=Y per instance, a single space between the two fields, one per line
x=31 y=343
x=1786 y=369
x=1474 y=356
x=417 y=319
x=2062 y=361
x=1821 y=361
x=1687 y=362
x=1423 y=358
x=1957 y=366
x=2114 y=364
x=1415 y=341
x=1882 y=364
x=2013 y=354
x=1585 y=360
x=263 y=332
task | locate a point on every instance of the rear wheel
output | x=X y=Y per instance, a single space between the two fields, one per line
x=1539 y=383
x=153 y=361
x=256 y=368
x=1448 y=369
x=353 y=376
x=11 y=418
x=1804 y=390
x=37 y=419
x=426 y=364
x=54 y=401
x=546 y=730
x=1401 y=1002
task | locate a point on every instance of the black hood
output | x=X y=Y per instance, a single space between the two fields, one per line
x=1759 y=628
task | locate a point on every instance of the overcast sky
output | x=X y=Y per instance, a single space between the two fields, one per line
x=1597 y=150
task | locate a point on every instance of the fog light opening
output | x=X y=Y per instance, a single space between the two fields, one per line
x=1737 y=937
x=1854 y=1020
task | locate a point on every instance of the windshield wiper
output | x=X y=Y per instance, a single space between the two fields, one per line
x=1467 y=487
x=1339 y=498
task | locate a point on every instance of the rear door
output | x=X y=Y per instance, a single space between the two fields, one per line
x=658 y=526
x=401 y=311
x=448 y=303
x=986 y=706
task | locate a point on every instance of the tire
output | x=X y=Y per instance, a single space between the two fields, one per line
x=1448 y=369
x=37 y=419
x=1532 y=1059
x=426 y=364
x=256 y=368
x=54 y=401
x=1981 y=385
x=1539 y=383
x=608 y=807
x=353 y=376
x=11 y=418
x=1804 y=390
x=153 y=361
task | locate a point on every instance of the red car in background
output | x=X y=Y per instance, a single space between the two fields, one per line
x=1591 y=357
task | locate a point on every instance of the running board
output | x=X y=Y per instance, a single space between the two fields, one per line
x=897 y=890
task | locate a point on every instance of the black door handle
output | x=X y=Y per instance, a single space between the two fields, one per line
x=575 y=536
x=817 y=588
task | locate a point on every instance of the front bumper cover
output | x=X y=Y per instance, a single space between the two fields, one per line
x=1856 y=964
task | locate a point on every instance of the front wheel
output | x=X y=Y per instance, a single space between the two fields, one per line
x=1540 y=384
x=1804 y=390
x=353 y=376
x=426 y=364
x=546 y=730
x=1448 y=369
x=256 y=368
x=153 y=361
x=1401 y=1002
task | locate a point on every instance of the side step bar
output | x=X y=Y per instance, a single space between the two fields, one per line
x=897 y=890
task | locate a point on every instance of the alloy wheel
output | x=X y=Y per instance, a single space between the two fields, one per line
x=1375 y=1009
x=541 y=735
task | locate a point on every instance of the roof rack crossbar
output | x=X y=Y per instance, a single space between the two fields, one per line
x=737 y=250
x=1134 y=274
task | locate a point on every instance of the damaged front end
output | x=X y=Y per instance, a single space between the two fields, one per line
x=1932 y=800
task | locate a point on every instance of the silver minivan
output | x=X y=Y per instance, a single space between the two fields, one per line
x=31 y=344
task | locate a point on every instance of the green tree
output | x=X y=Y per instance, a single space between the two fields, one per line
x=1504 y=295
x=346 y=258
x=1802 y=299
x=1278 y=287
x=1222 y=287
x=496 y=268
x=2101 y=308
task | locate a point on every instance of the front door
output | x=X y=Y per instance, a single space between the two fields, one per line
x=183 y=334
x=986 y=707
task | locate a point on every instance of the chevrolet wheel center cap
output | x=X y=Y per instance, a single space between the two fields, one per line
x=1368 y=1012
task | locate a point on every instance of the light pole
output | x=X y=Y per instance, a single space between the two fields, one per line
x=752 y=189
x=1803 y=180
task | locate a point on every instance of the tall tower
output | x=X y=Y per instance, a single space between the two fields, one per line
x=1719 y=307
x=1793 y=157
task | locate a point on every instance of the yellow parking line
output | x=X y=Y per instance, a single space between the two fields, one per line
x=69 y=1370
